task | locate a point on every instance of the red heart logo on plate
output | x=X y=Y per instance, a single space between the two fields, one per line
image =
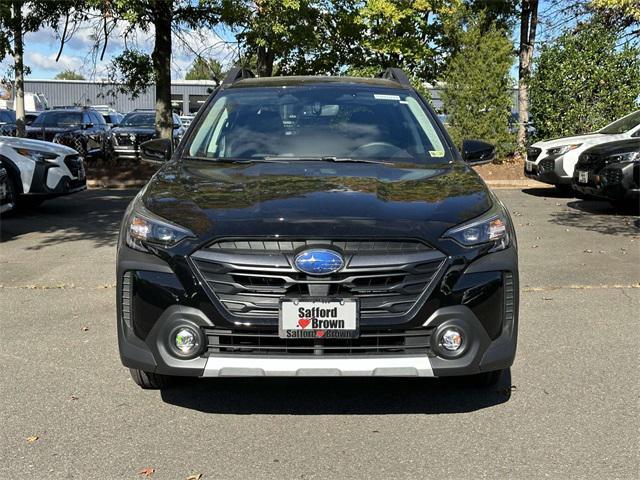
x=304 y=322
x=320 y=333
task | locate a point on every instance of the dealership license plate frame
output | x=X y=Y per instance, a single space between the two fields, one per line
x=310 y=302
x=583 y=177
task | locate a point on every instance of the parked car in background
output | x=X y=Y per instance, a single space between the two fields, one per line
x=7 y=193
x=123 y=141
x=110 y=115
x=610 y=170
x=40 y=170
x=8 y=121
x=7 y=117
x=186 y=120
x=82 y=129
x=553 y=161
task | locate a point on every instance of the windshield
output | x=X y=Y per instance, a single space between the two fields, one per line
x=139 y=120
x=623 y=125
x=317 y=121
x=67 y=119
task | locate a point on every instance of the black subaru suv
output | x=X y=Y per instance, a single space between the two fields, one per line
x=123 y=141
x=316 y=226
x=610 y=170
x=82 y=129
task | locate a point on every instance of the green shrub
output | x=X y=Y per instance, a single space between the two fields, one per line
x=478 y=95
x=583 y=81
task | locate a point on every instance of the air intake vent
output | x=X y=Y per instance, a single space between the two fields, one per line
x=127 y=294
x=509 y=299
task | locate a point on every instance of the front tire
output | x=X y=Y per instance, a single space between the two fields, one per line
x=149 y=380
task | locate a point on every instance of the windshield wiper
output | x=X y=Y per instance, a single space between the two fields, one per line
x=237 y=160
x=329 y=158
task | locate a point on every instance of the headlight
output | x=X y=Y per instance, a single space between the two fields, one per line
x=626 y=157
x=561 y=150
x=490 y=228
x=36 y=155
x=146 y=228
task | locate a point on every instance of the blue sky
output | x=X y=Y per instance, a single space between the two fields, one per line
x=78 y=54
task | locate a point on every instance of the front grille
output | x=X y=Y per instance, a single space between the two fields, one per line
x=591 y=163
x=74 y=164
x=533 y=153
x=249 y=277
x=125 y=139
x=267 y=342
x=613 y=175
x=547 y=165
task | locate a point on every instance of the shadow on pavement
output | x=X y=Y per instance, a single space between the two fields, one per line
x=93 y=215
x=549 y=192
x=597 y=216
x=340 y=396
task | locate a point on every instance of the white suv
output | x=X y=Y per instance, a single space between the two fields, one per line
x=40 y=170
x=553 y=161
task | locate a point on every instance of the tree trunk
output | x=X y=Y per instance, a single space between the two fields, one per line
x=528 y=26
x=18 y=48
x=264 y=62
x=161 y=58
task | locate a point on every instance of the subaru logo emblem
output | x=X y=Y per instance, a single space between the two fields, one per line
x=319 y=262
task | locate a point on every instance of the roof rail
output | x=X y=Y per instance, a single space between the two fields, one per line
x=395 y=75
x=235 y=74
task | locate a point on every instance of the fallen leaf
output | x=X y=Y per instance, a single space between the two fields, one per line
x=547 y=298
x=32 y=439
x=198 y=476
x=147 y=471
x=534 y=246
x=84 y=328
x=587 y=250
x=73 y=397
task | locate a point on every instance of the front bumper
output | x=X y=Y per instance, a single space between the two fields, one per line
x=548 y=170
x=482 y=301
x=58 y=179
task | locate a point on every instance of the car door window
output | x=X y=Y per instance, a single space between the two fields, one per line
x=86 y=119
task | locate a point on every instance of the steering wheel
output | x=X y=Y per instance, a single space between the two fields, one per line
x=378 y=148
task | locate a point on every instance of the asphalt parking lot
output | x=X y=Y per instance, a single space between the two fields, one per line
x=569 y=410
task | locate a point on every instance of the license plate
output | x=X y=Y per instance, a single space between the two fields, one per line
x=528 y=166
x=583 y=177
x=318 y=318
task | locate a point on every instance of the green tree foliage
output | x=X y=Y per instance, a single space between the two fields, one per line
x=205 y=69
x=69 y=75
x=478 y=94
x=135 y=70
x=583 y=81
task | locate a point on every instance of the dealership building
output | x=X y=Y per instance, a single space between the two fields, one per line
x=187 y=96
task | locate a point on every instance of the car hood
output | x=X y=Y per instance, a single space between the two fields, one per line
x=37 y=145
x=591 y=139
x=316 y=198
x=134 y=130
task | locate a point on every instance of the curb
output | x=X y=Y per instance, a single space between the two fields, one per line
x=516 y=184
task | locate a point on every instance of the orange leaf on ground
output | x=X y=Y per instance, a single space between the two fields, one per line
x=195 y=476
x=147 y=471
x=32 y=438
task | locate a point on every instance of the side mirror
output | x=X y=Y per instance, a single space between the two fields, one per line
x=176 y=125
x=477 y=152
x=157 y=150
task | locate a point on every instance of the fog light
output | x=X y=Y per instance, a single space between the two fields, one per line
x=451 y=339
x=186 y=340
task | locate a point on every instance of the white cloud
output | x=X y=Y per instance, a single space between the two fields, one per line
x=49 y=63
